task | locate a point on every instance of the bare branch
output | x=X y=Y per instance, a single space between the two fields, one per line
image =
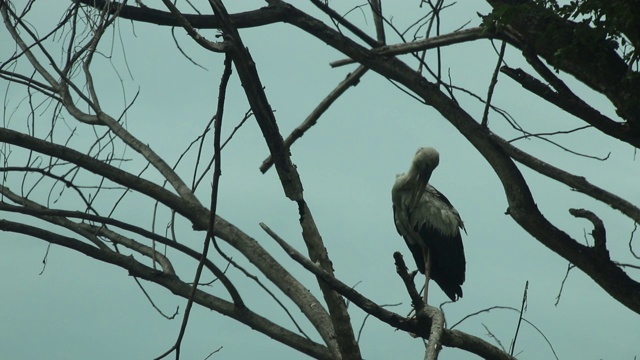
x=429 y=317
x=344 y=22
x=6 y=192
x=578 y=183
x=635 y=227
x=401 y=268
x=492 y=85
x=153 y=304
x=437 y=330
x=458 y=37
x=378 y=17
x=599 y=233
x=572 y=105
x=523 y=307
x=201 y=40
x=254 y=18
x=167 y=267
x=566 y=276
x=351 y=80
x=208 y=239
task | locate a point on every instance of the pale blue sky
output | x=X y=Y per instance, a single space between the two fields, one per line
x=82 y=309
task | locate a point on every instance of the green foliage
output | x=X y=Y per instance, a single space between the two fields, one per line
x=615 y=21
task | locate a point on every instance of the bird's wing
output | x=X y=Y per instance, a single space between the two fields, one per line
x=448 y=264
x=435 y=211
x=438 y=226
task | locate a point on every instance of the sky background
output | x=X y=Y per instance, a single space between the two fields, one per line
x=79 y=308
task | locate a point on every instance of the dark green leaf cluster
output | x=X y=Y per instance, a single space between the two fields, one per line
x=617 y=22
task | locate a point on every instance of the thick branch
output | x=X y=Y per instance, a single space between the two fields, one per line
x=407 y=280
x=573 y=105
x=66 y=223
x=599 y=233
x=426 y=314
x=165 y=263
x=437 y=330
x=577 y=183
x=112 y=173
x=249 y=19
x=43 y=212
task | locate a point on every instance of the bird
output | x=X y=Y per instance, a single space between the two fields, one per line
x=430 y=225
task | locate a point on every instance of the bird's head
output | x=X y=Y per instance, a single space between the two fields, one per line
x=425 y=160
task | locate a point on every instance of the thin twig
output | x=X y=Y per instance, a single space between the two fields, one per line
x=522 y=310
x=213 y=352
x=491 y=335
x=214 y=202
x=570 y=266
x=492 y=85
x=44 y=259
x=153 y=304
x=489 y=309
x=186 y=25
x=635 y=227
x=364 y=321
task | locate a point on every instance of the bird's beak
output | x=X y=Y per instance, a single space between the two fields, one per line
x=418 y=190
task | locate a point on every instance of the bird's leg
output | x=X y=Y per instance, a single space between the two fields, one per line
x=427 y=271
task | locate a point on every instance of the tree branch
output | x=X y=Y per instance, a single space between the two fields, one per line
x=249 y=19
x=433 y=42
x=177 y=287
x=429 y=317
x=574 y=106
x=199 y=39
x=599 y=233
x=577 y=183
x=351 y=80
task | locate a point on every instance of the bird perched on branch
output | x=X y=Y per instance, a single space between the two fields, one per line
x=430 y=225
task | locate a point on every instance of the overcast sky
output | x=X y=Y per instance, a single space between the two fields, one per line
x=79 y=308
